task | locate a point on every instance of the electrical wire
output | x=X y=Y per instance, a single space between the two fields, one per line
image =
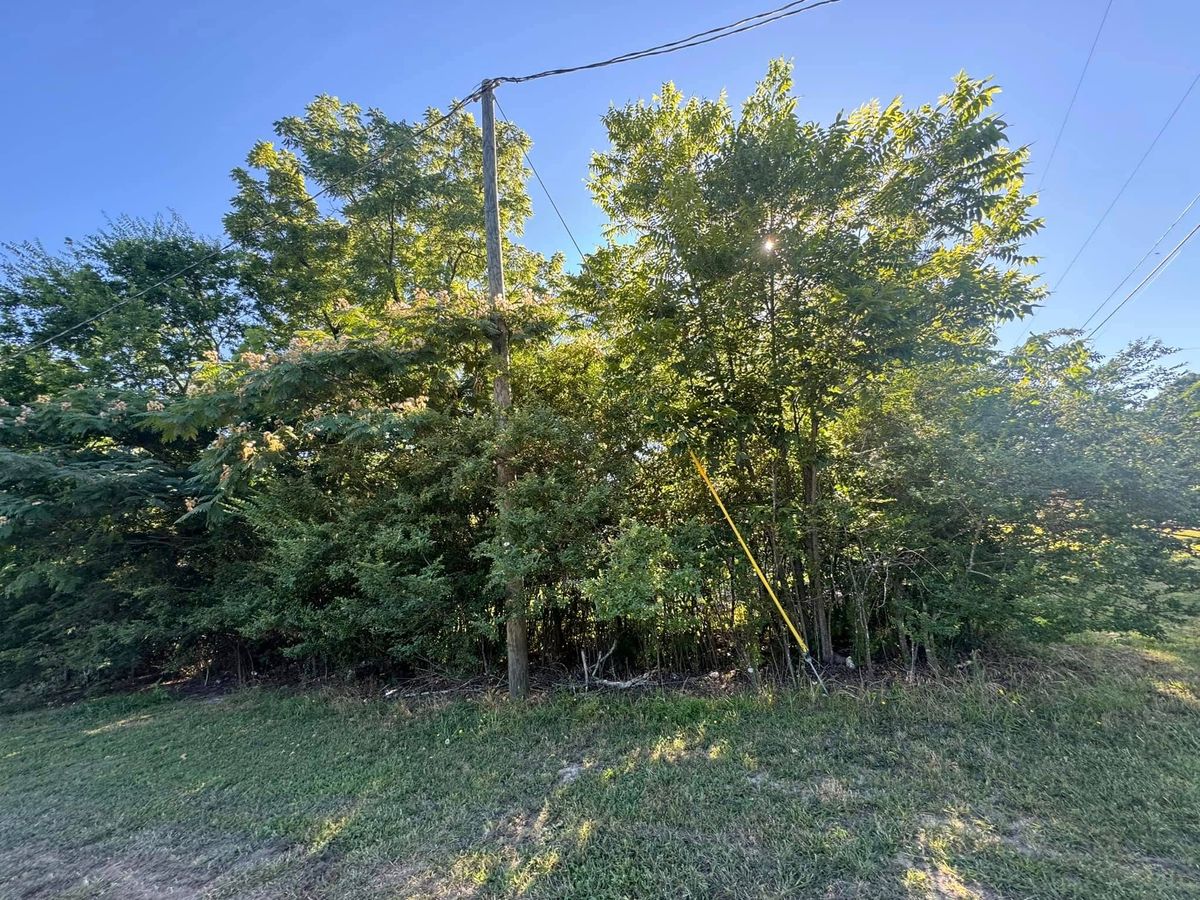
x=228 y=245
x=1070 y=106
x=695 y=40
x=600 y=292
x=702 y=37
x=545 y=190
x=1139 y=263
x=1163 y=263
x=1121 y=192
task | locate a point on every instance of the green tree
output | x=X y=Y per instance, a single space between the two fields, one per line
x=284 y=457
x=97 y=578
x=764 y=269
x=354 y=208
x=123 y=329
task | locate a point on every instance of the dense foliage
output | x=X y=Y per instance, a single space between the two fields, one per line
x=284 y=457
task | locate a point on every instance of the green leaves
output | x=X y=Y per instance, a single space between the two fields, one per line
x=150 y=336
x=291 y=450
x=399 y=214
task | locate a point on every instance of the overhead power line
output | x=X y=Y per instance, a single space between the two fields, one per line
x=1128 y=180
x=1166 y=260
x=228 y=245
x=1074 y=96
x=695 y=40
x=558 y=212
x=1138 y=264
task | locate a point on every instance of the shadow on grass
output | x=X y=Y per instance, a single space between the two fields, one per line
x=1075 y=773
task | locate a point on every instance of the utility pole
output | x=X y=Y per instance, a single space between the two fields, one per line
x=517 y=634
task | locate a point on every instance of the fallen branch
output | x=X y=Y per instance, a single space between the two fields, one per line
x=394 y=691
x=621 y=685
x=593 y=674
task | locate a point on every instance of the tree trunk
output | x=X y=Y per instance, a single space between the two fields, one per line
x=816 y=586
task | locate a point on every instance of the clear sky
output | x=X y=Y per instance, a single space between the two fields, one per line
x=138 y=107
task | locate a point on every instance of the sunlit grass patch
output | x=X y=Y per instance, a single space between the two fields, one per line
x=1177 y=689
x=1072 y=773
x=120 y=723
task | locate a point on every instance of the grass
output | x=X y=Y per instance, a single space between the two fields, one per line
x=1074 y=773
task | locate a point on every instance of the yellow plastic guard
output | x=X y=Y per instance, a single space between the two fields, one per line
x=750 y=556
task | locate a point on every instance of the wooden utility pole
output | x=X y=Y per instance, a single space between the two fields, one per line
x=514 y=590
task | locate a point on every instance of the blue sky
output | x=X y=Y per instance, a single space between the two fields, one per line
x=139 y=107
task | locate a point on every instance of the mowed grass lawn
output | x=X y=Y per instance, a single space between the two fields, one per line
x=1073 y=773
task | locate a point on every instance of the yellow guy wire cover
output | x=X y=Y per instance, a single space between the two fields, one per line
x=746 y=549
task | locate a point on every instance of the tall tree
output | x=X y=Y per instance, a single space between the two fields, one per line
x=96 y=575
x=354 y=208
x=770 y=267
x=150 y=335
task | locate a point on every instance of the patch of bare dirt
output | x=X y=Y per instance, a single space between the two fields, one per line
x=152 y=865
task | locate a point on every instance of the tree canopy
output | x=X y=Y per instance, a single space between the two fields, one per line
x=283 y=458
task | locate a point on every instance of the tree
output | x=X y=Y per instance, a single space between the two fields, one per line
x=282 y=459
x=123 y=329
x=358 y=209
x=775 y=267
x=379 y=282
x=97 y=576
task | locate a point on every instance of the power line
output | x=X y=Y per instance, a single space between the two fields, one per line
x=695 y=40
x=1145 y=257
x=1153 y=273
x=228 y=245
x=1128 y=180
x=1075 y=95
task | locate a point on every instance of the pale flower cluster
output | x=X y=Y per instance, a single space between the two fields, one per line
x=229 y=431
x=296 y=348
x=411 y=405
x=116 y=408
